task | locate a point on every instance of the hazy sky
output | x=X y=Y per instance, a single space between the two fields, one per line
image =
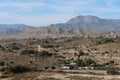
x=45 y=12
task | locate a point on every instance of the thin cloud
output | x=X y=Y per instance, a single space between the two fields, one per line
x=35 y=20
x=69 y=6
x=4 y=15
x=22 y=5
x=45 y=12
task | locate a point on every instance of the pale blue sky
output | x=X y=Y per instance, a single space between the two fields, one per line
x=45 y=12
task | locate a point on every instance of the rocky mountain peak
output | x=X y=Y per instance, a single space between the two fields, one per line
x=87 y=18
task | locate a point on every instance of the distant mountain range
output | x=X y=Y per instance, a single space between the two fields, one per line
x=77 y=26
x=13 y=29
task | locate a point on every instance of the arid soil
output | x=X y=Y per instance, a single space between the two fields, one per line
x=60 y=76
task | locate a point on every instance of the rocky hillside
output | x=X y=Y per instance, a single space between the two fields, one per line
x=90 y=25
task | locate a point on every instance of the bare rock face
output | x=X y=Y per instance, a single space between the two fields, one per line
x=80 y=25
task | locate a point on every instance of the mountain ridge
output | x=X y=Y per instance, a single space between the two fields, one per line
x=78 y=26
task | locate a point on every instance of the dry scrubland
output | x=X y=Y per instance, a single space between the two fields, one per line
x=30 y=59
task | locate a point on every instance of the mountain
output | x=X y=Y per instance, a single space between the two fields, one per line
x=12 y=29
x=89 y=23
x=94 y=23
x=78 y=26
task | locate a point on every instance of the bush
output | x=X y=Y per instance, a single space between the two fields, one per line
x=3 y=69
x=81 y=53
x=18 y=69
x=109 y=63
x=46 y=67
x=80 y=63
x=53 y=67
x=103 y=40
x=2 y=63
x=112 y=72
x=29 y=52
x=3 y=76
x=14 y=46
x=2 y=48
x=47 y=46
x=86 y=62
x=44 y=54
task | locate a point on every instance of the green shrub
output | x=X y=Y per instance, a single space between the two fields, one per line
x=86 y=62
x=2 y=63
x=2 y=48
x=53 y=67
x=31 y=42
x=29 y=52
x=3 y=76
x=18 y=69
x=81 y=53
x=44 y=54
x=47 y=46
x=80 y=63
x=102 y=67
x=3 y=69
x=112 y=72
x=103 y=40
x=14 y=46
x=46 y=67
